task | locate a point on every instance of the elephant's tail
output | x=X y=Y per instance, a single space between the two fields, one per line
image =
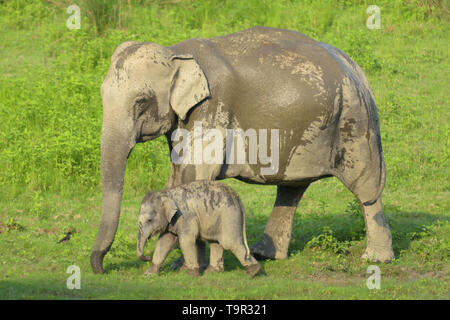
x=244 y=233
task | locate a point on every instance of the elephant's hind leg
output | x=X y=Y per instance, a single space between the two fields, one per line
x=367 y=188
x=363 y=173
x=379 y=239
x=274 y=243
x=251 y=266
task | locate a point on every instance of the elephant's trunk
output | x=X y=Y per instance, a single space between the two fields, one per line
x=114 y=152
x=142 y=240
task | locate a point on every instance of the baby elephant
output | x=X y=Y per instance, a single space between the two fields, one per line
x=201 y=210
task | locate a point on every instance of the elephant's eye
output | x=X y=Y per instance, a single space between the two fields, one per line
x=140 y=101
x=140 y=106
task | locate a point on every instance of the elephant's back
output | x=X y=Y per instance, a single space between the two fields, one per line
x=261 y=34
x=268 y=67
x=285 y=77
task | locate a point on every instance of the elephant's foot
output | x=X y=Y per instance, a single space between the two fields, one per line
x=264 y=249
x=380 y=254
x=253 y=270
x=154 y=269
x=213 y=269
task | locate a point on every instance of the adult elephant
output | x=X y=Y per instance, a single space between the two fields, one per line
x=260 y=78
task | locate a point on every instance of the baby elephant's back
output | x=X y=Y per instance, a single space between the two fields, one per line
x=218 y=209
x=211 y=195
x=215 y=205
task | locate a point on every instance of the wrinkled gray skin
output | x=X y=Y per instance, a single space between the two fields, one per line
x=205 y=210
x=260 y=78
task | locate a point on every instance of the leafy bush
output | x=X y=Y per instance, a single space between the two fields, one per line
x=327 y=241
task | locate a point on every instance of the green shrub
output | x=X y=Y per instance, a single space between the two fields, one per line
x=327 y=241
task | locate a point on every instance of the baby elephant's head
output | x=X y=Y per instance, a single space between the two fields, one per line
x=154 y=216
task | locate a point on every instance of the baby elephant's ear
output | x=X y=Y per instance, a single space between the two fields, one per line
x=169 y=208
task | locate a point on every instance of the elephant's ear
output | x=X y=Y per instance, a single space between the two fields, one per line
x=189 y=85
x=169 y=208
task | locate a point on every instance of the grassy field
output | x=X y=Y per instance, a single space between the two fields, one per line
x=50 y=124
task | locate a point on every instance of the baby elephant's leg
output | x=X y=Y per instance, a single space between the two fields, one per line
x=165 y=243
x=250 y=264
x=216 y=258
x=189 y=248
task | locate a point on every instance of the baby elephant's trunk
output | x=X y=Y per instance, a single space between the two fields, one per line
x=142 y=240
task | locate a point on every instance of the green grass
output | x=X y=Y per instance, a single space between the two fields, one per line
x=50 y=111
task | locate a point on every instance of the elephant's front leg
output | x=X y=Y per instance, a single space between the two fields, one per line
x=165 y=243
x=215 y=258
x=201 y=257
x=190 y=253
x=274 y=243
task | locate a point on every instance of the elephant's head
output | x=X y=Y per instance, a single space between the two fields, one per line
x=154 y=217
x=146 y=89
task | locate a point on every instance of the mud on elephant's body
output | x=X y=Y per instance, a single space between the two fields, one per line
x=261 y=78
